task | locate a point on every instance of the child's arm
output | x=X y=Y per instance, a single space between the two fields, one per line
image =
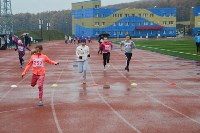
x=133 y=45
x=88 y=52
x=50 y=61
x=16 y=48
x=111 y=45
x=27 y=48
x=121 y=46
x=28 y=66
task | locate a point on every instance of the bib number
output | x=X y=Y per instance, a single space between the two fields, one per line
x=107 y=47
x=38 y=62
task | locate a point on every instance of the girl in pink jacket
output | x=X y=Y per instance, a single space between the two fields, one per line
x=37 y=62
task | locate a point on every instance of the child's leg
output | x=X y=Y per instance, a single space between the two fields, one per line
x=104 y=59
x=128 y=56
x=108 y=57
x=40 y=85
x=85 y=65
x=34 y=80
x=80 y=66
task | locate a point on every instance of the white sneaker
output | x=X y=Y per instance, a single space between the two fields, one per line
x=108 y=65
x=104 y=69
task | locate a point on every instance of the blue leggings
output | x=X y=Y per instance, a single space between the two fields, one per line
x=82 y=67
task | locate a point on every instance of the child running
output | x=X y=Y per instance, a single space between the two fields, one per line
x=21 y=51
x=128 y=45
x=82 y=53
x=106 y=46
x=37 y=62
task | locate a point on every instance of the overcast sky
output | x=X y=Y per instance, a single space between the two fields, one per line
x=35 y=6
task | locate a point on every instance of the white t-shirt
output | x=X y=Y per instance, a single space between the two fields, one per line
x=82 y=51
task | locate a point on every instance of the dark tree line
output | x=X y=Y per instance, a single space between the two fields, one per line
x=59 y=20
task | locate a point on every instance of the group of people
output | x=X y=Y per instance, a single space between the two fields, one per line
x=38 y=59
x=75 y=40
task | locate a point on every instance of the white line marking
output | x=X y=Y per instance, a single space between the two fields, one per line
x=114 y=111
x=193 y=120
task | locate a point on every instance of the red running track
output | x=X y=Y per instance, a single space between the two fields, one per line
x=154 y=106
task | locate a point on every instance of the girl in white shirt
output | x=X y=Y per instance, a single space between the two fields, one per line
x=82 y=53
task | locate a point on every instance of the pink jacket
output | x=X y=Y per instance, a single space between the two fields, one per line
x=37 y=63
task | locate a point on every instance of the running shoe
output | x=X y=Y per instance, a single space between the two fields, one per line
x=40 y=103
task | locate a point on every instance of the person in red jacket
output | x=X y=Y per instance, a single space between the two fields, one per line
x=37 y=62
x=107 y=47
x=21 y=51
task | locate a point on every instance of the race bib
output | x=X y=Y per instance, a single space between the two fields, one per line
x=107 y=47
x=38 y=62
x=20 y=48
x=127 y=45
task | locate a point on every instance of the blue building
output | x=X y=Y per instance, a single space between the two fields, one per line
x=90 y=19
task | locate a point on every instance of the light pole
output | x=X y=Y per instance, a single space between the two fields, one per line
x=48 y=26
x=40 y=27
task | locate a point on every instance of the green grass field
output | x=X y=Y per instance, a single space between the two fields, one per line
x=179 y=48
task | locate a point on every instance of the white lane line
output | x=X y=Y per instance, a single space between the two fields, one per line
x=114 y=111
x=12 y=88
x=53 y=105
x=158 y=101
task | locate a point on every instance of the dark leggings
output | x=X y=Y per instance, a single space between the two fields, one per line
x=106 y=58
x=128 y=56
x=21 y=59
x=198 y=47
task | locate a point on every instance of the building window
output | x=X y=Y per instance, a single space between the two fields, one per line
x=120 y=24
x=82 y=15
x=127 y=33
x=121 y=33
x=151 y=15
x=133 y=23
x=133 y=15
x=171 y=32
x=199 y=14
x=171 y=22
x=115 y=15
x=103 y=23
x=81 y=7
x=164 y=15
x=164 y=32
x=199 y=23
x=145 y=23
x=82 y=32
x=171 y=15
x=133 y=32
x=115 y=33
x=120 y=15
x=139 y=23
x=145 y=15
x=96 y=6
x=103 y=15
x=96 y=23
x=151 y=23
x=126 y=15
x=164 y=22
x=139 y=32
x=97 y=33
x=115 y=24
x=151 y=32
x=127 y=23
x=97 y=15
